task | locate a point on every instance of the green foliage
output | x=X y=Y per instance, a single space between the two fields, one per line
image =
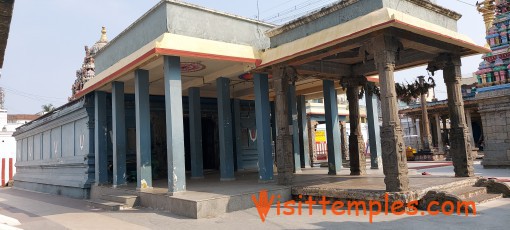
x=47 y=108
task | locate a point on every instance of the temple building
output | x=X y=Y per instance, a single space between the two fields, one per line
x=188 y=99
x=486 y=100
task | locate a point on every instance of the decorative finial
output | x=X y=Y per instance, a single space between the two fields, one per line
x=103 y=35
x=488 y=9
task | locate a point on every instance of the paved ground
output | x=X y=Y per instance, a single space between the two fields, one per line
x=27 y=210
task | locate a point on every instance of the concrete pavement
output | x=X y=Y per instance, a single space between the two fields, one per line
x=28 y=210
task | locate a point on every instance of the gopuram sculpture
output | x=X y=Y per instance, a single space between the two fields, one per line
x=87 y=70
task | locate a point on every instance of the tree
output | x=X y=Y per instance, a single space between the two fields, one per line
x=47 y=108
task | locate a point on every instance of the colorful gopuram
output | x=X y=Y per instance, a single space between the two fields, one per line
x=493 y=93
x=494 y=68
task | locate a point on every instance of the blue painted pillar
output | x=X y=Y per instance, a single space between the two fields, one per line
x=225 y=129
x=293 y=120
x=195 y=130
x=143 y=130
x=304 y=150
x=263 y=119
x=174 y=125
x=332 y=127
x=119 y=134
x=101 y=158
x=374 y=132
x=237 y=131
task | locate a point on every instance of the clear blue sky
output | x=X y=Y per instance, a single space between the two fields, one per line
x=46 y=41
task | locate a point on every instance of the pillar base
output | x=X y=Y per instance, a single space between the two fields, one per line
x=266 y=181
x=174 y=193
x=120 y=185
x=227 y=179
x=148 y=189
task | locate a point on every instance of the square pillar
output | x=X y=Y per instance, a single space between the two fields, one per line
x=225 y=129
x=440 y=144
x=469 y=124
x=374 y=131
x=304 y=145
x=237 y=133
x=344 y=150
x=460 y=146
x=357 y=158
x=119 y=134
x=293 y=120
x=392 y=141
x=143 y=131
x=101 y=130
x=332 y=127
x=284 y=156
x=195 y=130
x=174 y=124
x=273 y=126
x=263 y=120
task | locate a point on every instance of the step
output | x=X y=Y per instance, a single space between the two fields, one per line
x=467 y=192
x=484 y=198
x=127 y=200
x=106 y=205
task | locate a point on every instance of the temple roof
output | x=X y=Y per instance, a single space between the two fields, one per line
x=6 y=7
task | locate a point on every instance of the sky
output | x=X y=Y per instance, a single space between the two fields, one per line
x=47 y=39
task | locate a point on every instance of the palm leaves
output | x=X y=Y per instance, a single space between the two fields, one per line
x=407 y=92
x=410 y=91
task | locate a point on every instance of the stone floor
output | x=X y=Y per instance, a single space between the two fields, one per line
x=247 y=182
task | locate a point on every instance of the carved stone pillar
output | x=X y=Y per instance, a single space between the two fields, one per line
x=312 y=125
x=343 y=144
x=426 y=139
x=392 y=142
x=284 y=157
x=469 y=124
x=417 y=132
x=356 y=142
x=460 y=149
x=440 y=144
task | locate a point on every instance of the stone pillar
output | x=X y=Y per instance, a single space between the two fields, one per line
x=119 y=134
x=225 y=129
x=445 y=129
x=460 y=149
x=174 y=125
x=311 y=133
x=273 y=128
x=418 y=129
x=293 y=116
x=440 y=144
x=284 y=158
x=332 y=127
x=263 y=121
x=143 y=131
x=195 y=133
x=392 y=141
x=101 y=130
x=237 y=133
x=356 y=142
x=426 y=139
x=344 y=150
x=304 y=150
x=374 y=131
x=469 y=123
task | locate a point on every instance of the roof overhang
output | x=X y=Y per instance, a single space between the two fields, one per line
x=361 y=27
x=6 y=8
x=241 y=58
